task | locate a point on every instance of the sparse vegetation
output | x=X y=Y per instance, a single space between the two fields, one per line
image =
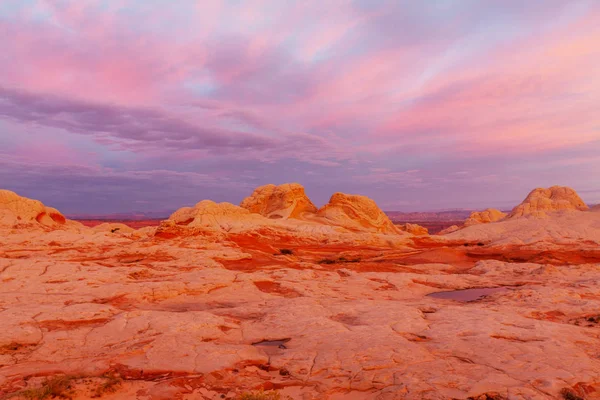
x=340 y=260
x=113 y=230
x=56 y=387
x=61 y=387
x=262 y=395
x=287 y=252
x=109 y=385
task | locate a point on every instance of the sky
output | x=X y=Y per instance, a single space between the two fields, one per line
x=149 y=105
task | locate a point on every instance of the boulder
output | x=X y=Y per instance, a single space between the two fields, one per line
x=541 y=201
x=279 y=202
x=356 y=213
x=484 y=217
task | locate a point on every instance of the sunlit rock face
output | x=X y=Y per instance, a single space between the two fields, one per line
x=540 y=202
x=17 y=211
x=414 y=229
x=219 y=301
x=356 y=212
x=485 y=217
x=209 y=217
x=283 y=201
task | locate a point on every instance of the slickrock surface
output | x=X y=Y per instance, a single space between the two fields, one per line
x=485 y=217
x=218 y=308
x=283 y=201
x=356 y=212
x=540 y=202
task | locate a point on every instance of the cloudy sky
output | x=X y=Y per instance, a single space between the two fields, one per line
x=146 y=105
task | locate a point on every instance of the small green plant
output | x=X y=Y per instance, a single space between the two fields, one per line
x=262 y=395
x=286 y=252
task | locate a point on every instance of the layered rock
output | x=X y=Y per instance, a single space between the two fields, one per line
x=208 y=216
x=414 y=229
x=541 y=201
x=279 y=202
x=485 y=217
x=450 y=229
x=357 y=213
x=17 y=211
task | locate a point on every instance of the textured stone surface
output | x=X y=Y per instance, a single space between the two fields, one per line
x=414 y=229
x=337 y=315
x=540 y=202
x=485 y=217
x=356 y=212
x=17 y=211
x=283 y=201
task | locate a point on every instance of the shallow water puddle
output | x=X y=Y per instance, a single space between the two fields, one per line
x=467 y=294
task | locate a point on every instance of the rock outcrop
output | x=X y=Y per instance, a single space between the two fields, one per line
x=541 y=201
x=17 y=211
x=450 y=229
x=414 y=229
x=279 y=202
x=356 y=213
x=484 y=217
x=595 y=208
x=209 y=217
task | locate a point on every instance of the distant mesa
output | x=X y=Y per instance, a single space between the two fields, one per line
x=17 y=211
x=485 y=217
x=414 y=229
x=357 y=213
x=279 y=202
x=542 y=201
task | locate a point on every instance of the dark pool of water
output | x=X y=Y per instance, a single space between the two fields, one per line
x=467 y=294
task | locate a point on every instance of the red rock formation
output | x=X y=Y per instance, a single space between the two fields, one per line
x=17 y=211
x=283 y=201
x=542 y=201
x=358 y=213
x=414 y=229
x=484 y=217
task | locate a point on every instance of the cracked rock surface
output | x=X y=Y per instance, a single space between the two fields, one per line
x=209 y=316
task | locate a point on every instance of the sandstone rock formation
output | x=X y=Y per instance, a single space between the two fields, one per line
x=17 y=211
x=283 y=201
x=449 y=229
x=128 y=316
x=358 y=213
x=484 y=217
x=414 y=229
x=595 y=208
x=541 y=201
x=209 y=217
